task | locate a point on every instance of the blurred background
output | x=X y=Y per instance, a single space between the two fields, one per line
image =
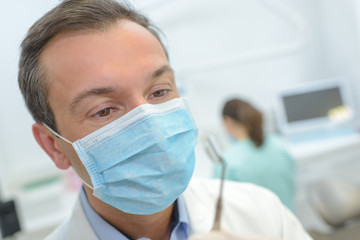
x=274 y=53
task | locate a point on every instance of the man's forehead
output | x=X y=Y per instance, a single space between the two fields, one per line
x=122 y=30
x=75 y=62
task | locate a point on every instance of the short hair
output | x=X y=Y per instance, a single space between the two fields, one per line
x=244 y=113
x=69 y=15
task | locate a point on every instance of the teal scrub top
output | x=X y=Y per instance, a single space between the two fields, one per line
x=269 y=166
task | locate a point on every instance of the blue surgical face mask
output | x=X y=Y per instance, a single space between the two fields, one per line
x=142 y=162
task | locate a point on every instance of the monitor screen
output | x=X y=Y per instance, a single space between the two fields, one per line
x=313 y=104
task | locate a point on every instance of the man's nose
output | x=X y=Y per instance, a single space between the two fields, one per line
x=136 y=101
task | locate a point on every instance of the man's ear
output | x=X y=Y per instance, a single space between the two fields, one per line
x=50 y=144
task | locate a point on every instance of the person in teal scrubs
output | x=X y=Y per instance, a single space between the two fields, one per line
x=253 y=157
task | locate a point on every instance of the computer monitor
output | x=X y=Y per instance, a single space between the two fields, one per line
x=322 y=107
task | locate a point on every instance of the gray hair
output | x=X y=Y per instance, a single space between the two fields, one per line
x=69 y=15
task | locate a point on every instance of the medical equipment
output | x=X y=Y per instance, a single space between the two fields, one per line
x=216 y=157
x=317 y=109
x=337 y=201
x=216 y=232
x=9 y=221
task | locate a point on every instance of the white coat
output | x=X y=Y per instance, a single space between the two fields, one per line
x=247 y=210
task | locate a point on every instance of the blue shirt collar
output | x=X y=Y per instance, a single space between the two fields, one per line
x=104 y=230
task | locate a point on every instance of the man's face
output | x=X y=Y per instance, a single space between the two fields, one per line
x=97 y=77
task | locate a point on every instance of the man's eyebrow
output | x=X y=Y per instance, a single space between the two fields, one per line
x=102 y=91
x=163 y=69
x=89 y=93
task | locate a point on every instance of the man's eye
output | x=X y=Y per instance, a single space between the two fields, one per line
x=104 y=112
x=160 y=93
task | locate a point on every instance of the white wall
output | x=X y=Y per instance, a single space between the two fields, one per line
x=20 y=157
x=339 y=41
x=253 y=48
x=218 y=49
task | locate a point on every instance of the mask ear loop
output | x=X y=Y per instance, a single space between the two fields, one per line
x=61 y=137
x=56 y=134
x=83 y=181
